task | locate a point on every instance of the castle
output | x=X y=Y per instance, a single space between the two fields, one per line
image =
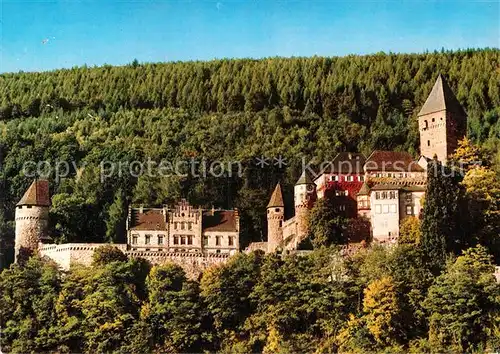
x=385 y=187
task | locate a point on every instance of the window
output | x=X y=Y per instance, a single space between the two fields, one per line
x=361 y=178
x=148 y=240
x=334 y=178
x=385 y=209
x=389 y=175
x=160 y=239
x=190 y=239
x=428 y=143
x=217 y=251
x=377 y=195
x=426 y=124
x=384 y=195
x=409 y=210
x=392 y=195
x=349 y=178
x=230 y=241
x=342 y=207
x=190 y=225
x=176 y=240
x=408 y=198
x=281 y=223
x=378 y=209
x=183 y=240
x=217 y=240
x=205 y=240
x=393 y=208
x=183 y=226
x=134 y=239
x=400 y=175
x=277 y=210
x=175 y=225
x=433 y=120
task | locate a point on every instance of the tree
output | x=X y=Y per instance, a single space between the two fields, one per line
x=107 y=254
x=409 y=231
x=483 y=196
x=463 y=304
x=442 y=230
x=381 y=311
x=324 y=225
x=174 y=313
x=117 y=215
x=27 y=306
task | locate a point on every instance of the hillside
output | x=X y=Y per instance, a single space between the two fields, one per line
x=229 y=110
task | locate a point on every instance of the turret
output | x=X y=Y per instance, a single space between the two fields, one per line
x=32 y=219
x=304 y=196
x=363 y=200
x=442 y=122
x=275 y=216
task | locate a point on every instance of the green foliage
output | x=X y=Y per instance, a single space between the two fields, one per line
x=463 y=304
x=381 y=299
x=324 y=225
x=442 y=224
x=107 y=254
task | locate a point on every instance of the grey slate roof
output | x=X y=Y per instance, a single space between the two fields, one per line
x=441 y=98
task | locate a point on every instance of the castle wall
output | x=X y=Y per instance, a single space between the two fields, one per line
x=31 y=227
x=66 y=255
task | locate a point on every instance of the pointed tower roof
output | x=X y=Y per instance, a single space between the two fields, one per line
x=304 y=178
x=276 y=198
x=441 y=98
x=37 y=194
x=365 y=190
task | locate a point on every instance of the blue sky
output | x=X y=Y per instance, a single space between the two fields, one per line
x=116 y=32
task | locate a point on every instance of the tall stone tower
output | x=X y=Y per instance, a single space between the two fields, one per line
x=275 y=216
x=32 y=219
x=304 y=196
x=442 y=122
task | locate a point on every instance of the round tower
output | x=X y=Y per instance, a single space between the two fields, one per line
x=32 y=219
x=304 y=196
x=275 y=216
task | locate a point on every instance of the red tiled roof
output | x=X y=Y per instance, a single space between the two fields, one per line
x=37 y=194
x=152 y=219
x=221 y=220
x=392 y=161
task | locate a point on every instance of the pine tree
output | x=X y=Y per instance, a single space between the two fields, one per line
x=441 y=226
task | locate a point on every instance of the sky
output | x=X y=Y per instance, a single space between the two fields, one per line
x=41 y=35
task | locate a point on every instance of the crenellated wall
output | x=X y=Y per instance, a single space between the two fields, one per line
x=81 y=253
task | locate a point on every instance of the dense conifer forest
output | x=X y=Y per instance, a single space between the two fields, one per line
x=434 y=291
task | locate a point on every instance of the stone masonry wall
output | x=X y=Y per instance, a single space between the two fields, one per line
x=31 y=227
x=81 y=253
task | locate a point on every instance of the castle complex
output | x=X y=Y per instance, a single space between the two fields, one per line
x=385 y=187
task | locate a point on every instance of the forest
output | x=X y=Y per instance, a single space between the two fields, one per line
x=433 y=292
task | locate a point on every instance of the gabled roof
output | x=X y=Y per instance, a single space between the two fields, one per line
x=365 y=189
x=392 y=161
x=441 y=98
x=385 y=187
x=305 y=178
x=149 y=219
x=220 y=220
x=37 y=194
x=346 y=163
x=276 y=198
